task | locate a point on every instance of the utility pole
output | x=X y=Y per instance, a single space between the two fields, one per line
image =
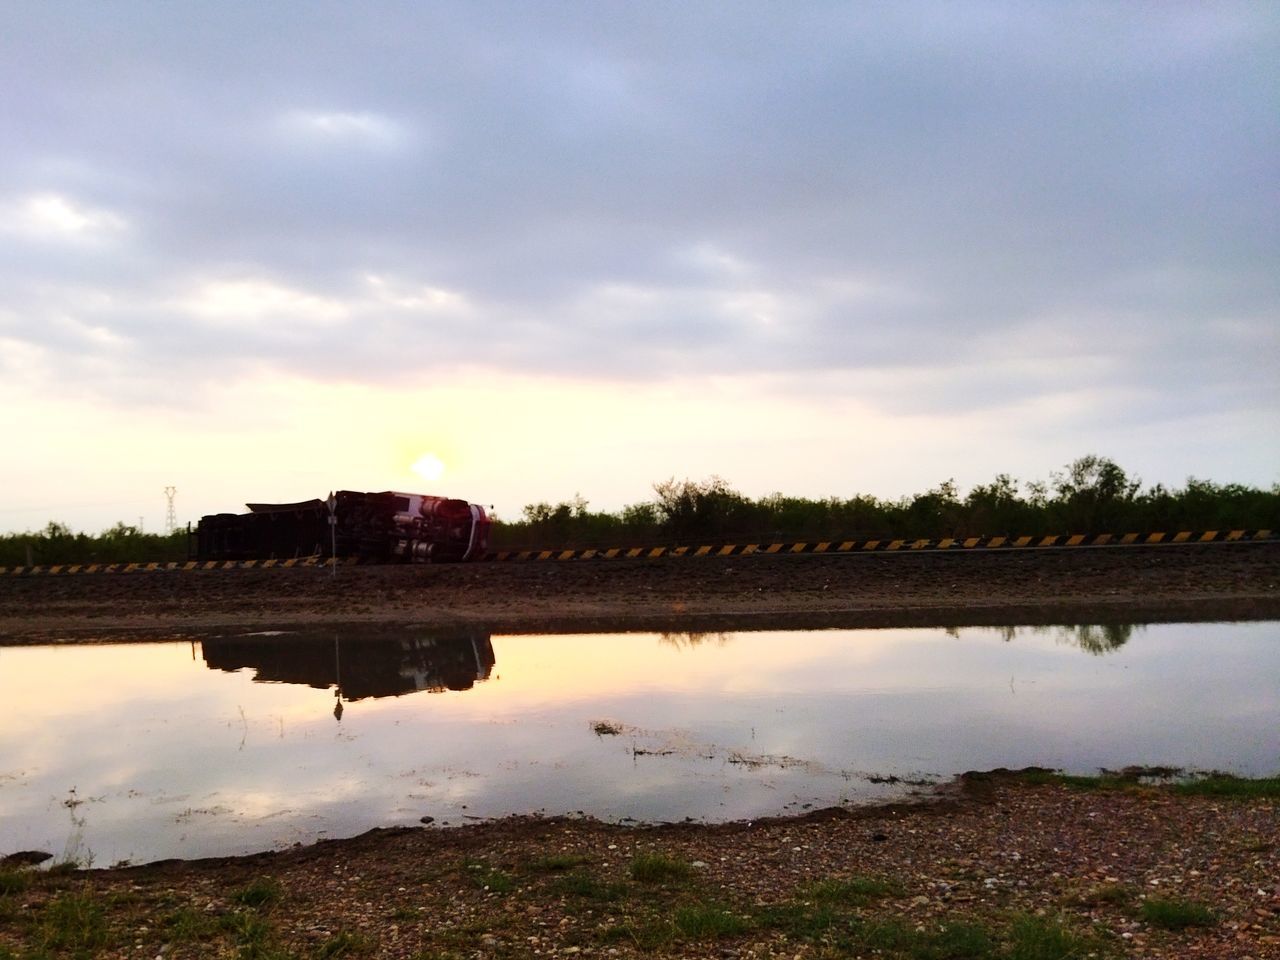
x=170 y=518
x=333 y=535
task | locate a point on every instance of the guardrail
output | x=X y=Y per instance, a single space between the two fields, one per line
x=861 y=546
x=959 y=544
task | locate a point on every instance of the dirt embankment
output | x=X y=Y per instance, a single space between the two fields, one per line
x=1074 y=585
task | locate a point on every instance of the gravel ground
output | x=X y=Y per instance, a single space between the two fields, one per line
x=1002 y=866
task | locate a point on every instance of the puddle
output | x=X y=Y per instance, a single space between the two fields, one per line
x=260 y=740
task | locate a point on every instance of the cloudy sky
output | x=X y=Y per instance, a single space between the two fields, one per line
x=262 y=251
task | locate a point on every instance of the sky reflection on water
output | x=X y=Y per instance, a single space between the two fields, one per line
x=238 y=744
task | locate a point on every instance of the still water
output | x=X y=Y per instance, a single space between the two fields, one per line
x=248 y=742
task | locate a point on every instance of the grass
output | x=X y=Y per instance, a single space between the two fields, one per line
x=13 y=881
x=187 y=925
x=1177 y=914
x=829 y=913
x=853 y=890
x=833 y=916
x=1035 y=938
x=800 y=921
x=490 y=878
x=1225 y=785
x=709 y=921
x=659 y=868
x=557 y=862
x=344 y=945
x=588 y=887
x=1101 y=781
x=255 y=936
x=261 y=892
x=1024 y=938
x=1208 y=785
x=75 y=923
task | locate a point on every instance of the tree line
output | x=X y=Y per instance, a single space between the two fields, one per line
x=122 y=543
x=1092 y=494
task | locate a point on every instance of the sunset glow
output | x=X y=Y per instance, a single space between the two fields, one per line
x=601 y=258
x=429 y=467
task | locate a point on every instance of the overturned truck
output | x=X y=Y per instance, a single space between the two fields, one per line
x=389 y=527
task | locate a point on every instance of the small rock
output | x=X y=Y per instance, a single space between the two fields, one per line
x=426 y=819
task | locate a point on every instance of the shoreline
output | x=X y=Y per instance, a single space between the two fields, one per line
x=1196 y=611
x=1011 y=860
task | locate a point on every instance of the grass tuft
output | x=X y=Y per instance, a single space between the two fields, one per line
x=1208 y=785
x=709 y=922
x=1225 y=785
x=853 y=890
x=262 y=892
x=798 y=921
x=558 y=862
x=186 y=925
x=1102 y=781
x=75 y=922
x=658 y=868
x=588 y=887
x=490 y=878
x=1177 y=914
x=961 y=941
x=344 y=945
x=1036 y=938
x=13 y=881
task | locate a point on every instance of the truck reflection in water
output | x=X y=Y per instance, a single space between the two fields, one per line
x=356 y=668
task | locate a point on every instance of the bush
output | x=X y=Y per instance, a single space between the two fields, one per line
x=1090 y=495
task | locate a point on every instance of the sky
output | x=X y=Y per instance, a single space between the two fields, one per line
x=258 y=252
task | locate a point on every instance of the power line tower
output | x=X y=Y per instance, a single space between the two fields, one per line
x=170 y=517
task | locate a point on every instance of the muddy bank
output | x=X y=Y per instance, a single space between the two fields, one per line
x=1139 y=584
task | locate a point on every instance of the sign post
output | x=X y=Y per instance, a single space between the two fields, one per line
x=333 y=533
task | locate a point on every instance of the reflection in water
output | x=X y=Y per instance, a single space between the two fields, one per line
x=206 y=759
x=693 y=638
x=355 y=669
x=1097 y=639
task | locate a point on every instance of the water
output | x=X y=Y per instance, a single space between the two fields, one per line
x=241 y=743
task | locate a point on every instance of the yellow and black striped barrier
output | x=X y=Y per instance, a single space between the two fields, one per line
x=64 y=569
x=708 y=550
x=888 y=545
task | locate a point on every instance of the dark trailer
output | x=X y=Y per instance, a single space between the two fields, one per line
x=372 y=526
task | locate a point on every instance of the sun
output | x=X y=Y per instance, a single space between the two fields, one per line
x=429 y=467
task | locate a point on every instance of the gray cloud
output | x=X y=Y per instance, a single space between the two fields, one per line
x=980 y=195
